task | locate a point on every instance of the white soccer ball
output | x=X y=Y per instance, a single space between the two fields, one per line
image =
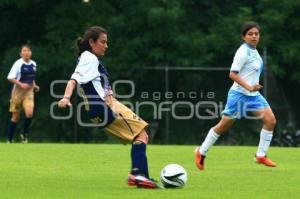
x=173 y=176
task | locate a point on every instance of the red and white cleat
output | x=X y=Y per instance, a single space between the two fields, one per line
x=141 y=182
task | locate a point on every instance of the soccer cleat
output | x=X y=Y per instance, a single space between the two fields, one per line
x=131 y=181
x=141 y=182
x=264 y=160
x=199 y=159
x=24 y=138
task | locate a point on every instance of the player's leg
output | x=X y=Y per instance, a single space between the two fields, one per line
x=229 y=114
x=268 y=118
x=266 y=134
x=138 y=155
x=128 y=127
x=139 y=174
x=15 y=108
x=214 y=133
x=15 y=117
x=28 y=106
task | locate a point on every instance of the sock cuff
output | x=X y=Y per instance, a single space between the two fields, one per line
x=141 y=146
x=264 y=131
x=213 y=133
x=15 y=123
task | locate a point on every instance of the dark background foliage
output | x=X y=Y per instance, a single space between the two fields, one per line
x=147 y=33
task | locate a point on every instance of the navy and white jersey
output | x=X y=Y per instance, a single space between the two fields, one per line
x=92 y=77
x=23 y=71
x=89 y=72
x=249 y=65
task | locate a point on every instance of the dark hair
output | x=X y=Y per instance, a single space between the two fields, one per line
x=91 y=33
x=25 y=46
x=247 y=26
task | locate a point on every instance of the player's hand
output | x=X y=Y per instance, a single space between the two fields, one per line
x=63 y=103
x=109 y=99
x=36 y=88
x=109 y=96
x=24 y=86
x=256 y=87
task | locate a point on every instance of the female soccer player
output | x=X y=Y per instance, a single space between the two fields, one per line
x=103 y=108
x=22 y=75
x=243 y=97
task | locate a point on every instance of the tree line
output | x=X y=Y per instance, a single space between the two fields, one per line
x=143 y=34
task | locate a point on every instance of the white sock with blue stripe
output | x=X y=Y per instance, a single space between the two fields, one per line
x=264 y=142
x=210 y=139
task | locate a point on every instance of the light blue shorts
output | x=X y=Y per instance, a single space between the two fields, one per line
x=238 y=104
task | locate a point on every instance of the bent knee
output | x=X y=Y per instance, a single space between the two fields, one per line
x=142 y=137
x=15 y=118
x=271 y=122
x=29 y=115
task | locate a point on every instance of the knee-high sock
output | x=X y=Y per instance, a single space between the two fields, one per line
x=264 y=142
x=210 y=139
x=139 y=163
x=27 y=123
x=11 y=130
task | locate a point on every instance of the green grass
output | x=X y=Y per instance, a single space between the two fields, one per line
x=99 y=171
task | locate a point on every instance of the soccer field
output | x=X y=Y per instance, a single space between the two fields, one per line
x=99 y=171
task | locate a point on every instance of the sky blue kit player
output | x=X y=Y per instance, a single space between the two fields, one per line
x=104 y=109
x=22 y=75
x=240 y=100
x=244 y=97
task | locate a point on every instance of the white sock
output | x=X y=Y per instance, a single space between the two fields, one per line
x=210 y=139
x=264 y=142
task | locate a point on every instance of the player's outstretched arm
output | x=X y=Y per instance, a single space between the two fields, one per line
x=64 y=102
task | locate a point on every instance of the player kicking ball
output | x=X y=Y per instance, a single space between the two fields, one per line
x=243 y=97
x=103 y=108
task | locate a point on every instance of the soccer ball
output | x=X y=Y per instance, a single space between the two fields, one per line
x=173 y=176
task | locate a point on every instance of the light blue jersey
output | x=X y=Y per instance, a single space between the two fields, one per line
x=249 y=65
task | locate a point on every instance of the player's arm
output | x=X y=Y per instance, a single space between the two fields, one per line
x=35 y=87
x=235 y=77
x=109 y=96
x=65 y=101
x=20 y=84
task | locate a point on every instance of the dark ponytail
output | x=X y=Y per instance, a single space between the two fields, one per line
x=82 y=45
x=91 y=33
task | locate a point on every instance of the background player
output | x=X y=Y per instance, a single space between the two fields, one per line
x=22 y=75
x=244 y=96
x=102 y=107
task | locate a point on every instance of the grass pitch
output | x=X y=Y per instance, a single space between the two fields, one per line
x=99 y=171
